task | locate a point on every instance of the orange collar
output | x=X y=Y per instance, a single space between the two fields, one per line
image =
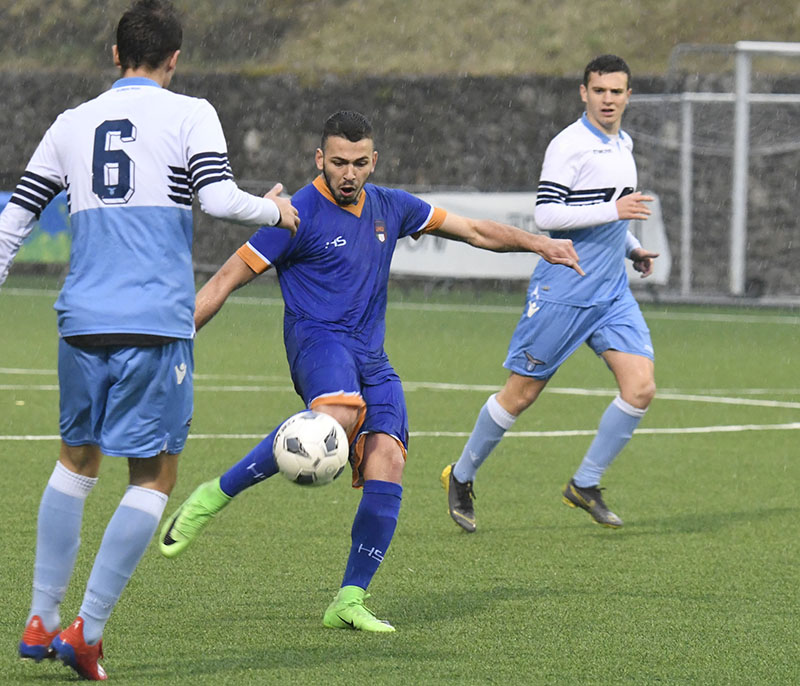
x=320 y=184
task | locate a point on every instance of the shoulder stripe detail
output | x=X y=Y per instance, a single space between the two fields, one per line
x=33 y=192
x=182 y=190
x=54 y=187
x=253 y=259
x=208 y=167
x=200 y=156
x=549 y=193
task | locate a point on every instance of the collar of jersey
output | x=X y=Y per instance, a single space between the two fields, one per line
x=134 y=81
x=597 y=132
x=325 y=192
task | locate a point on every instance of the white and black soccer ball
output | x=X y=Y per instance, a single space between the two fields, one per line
x=311 y=448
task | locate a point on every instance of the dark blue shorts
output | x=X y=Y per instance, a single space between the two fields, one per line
x=332 y=367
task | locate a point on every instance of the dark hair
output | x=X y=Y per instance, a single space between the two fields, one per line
x=606 y=64
x=348 y=124
x=148 y=33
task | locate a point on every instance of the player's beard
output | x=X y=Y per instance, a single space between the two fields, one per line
x=340 y=199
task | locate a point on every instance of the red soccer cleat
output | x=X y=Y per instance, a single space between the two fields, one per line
x=71 y=648
x=36 y=640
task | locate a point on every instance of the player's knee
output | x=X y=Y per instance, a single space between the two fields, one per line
x=383 y=458
x=519 y=394
x=344 y=414
x=642 y=394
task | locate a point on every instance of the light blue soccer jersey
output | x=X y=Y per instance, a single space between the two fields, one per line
x=584 y=173
x=336 y=270
x=131 y=161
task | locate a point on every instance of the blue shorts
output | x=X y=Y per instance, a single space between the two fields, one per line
x=329 y=365
x=548 y=333
x=130 y=401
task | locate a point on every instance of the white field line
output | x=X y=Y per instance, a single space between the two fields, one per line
x=732 y=318
x=409 y=385
x=425 y=385
x=724 y=428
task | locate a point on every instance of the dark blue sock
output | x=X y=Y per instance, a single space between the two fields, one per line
x=373 y=528
x=257 y=465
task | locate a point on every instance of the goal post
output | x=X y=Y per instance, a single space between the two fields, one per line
x=745 y=50
x=724 y=126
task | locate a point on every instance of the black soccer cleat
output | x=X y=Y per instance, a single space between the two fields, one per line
x=591 y=500
x=459 y=499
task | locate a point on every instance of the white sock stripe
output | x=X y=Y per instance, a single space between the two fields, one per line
x=145 y=499
x=500 y=416
x=68 y=482
x=629 y=409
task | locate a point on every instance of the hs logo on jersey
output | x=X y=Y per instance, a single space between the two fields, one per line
x=380 y=230
x=338 y=242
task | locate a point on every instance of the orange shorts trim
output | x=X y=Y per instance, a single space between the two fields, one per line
x=357 y=457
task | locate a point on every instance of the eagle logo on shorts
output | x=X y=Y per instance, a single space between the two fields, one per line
x=380 y=230
x=532 y=362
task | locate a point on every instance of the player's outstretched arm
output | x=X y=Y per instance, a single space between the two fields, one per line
x=491 y=235
x=212 y=296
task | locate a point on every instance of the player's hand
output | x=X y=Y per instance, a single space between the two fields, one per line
x=643 y=261
x=560 y=251
x=289 y=218
x=633 y=206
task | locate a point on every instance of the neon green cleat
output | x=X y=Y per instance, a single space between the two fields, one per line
x=188 y=520
x=347 y=611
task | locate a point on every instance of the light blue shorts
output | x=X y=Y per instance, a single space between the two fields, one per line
x=548 y=333
x=131 y=401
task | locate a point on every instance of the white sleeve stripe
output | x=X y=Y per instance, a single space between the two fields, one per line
x=41 y=180
x=199 y=174
x=258 y=254
x=40 y=190
x=212 y=179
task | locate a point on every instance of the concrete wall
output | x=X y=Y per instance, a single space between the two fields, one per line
x=487 y=134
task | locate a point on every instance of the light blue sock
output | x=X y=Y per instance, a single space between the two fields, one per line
x=58 y=537
x=616 y=427
x=490 y=427
x=126 y=538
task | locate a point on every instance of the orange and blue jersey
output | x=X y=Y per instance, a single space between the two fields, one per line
x=335 y=271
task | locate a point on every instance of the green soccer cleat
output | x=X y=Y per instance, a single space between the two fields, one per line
x=459 y=499
x=589 y=498
x=347 y=611
x=188 y=520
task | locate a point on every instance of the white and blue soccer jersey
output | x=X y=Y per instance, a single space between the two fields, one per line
x=131 y=161
x=584 y=173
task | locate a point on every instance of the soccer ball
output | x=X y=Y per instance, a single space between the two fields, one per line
x=311 y=448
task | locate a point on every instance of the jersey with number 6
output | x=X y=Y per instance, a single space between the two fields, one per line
x=131 y=161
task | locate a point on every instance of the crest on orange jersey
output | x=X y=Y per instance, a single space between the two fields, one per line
x=380 y=230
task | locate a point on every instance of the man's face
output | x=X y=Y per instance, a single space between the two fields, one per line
x=346 y=166
x=606 y=97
